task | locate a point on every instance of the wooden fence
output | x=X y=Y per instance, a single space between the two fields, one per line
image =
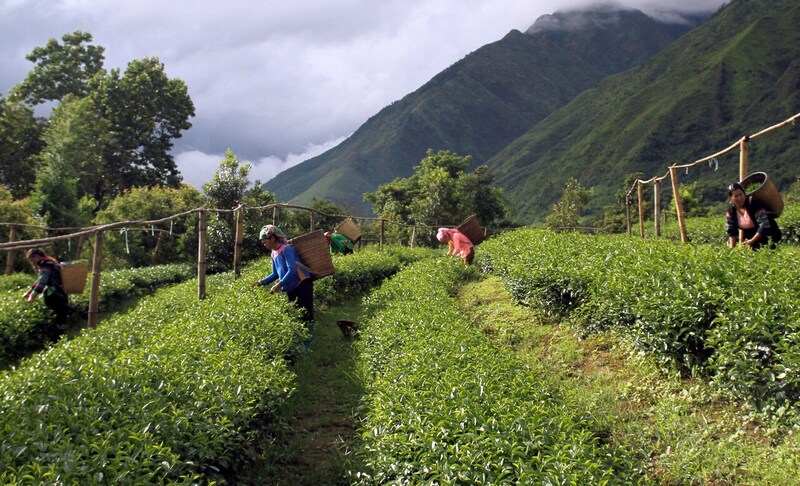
x=14 y=243
x=742 y=145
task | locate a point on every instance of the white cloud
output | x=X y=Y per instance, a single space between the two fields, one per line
x=198 y=167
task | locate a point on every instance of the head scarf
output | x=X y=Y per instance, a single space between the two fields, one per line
x=269 y=229
x=444 y=234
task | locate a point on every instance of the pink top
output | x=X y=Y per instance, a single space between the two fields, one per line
x=460 y=243
x=745 y=222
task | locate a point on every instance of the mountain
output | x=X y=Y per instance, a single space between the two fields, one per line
x=735 y=74
x=481 y=103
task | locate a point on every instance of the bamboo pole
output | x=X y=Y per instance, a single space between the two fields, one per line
x=657 y=208
x=157 y=249
x=744 y=153
x=744 y=156
x=79 y=249
x=673 y=174
x=275 y=216
x=383 y=233
x=94 y=293
x=641 y=209
x=11 y=254
x=237 y=249
x=628 y=213
x=413 y=236
x=201 y=255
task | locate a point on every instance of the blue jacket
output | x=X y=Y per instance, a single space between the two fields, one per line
x=287 y=269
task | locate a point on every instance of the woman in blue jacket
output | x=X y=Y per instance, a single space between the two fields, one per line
x=288 y=271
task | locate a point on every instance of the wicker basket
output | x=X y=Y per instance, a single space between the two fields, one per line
x=314 y=252
x=471 y=228
x=350 y=230
x=73 y=276
x=767 y=193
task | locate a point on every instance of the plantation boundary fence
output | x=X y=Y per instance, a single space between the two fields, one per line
x=742 y=145
x=14 y=243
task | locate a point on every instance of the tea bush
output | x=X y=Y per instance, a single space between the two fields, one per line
x=729 y=314
x=160 y=394
x=167 y=392
x=23 y=324
x=444 y=406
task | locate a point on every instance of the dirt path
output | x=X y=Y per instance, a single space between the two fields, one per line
x=319 y=423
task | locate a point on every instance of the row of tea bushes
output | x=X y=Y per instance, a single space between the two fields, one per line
x=445 y=406
x=731 y=314
x=163 y=393
x=23 y=325
x=358 y=272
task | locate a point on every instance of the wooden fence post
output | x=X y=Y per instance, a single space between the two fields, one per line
x=201 y=255
x=744 y=156
x=237 y=249
x=12 y=254
x=641 y=209
x=628 y=213
x=94 y=292
x=678 y=205
x=413 y=236
x=657 y=208
x=157 y=249
x=79 y=249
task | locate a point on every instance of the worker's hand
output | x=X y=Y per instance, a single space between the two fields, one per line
x=256 y=283
x=275 y=288
x=29 y=296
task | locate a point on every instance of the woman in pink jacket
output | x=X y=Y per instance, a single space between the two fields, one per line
x=458 y=244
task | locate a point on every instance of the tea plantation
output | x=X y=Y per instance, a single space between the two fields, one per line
x=176 y=390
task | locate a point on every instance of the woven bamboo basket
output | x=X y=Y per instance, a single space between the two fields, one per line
x=767 y=193
x=73 y=276
x=471 y=228
x=350 y=230
x=314 y=252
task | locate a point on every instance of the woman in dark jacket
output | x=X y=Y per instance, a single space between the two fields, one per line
x=749 y=215
x=50 y=285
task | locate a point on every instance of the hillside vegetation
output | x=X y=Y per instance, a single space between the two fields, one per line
x=732 y=76
x=479 y=104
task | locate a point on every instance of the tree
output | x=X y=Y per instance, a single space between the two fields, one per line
x=146 y=111
x=71 y=164
x=61 y=69
x=615 y=217
x=566 y=211
x=229 y=188
x=439 y=193
x=166 y=243
x=20 y=142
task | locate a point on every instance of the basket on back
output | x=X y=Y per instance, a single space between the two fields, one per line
x=471 y=228
x=766 y=192
x=314 y=252
x=349 y=229
x=73 y=276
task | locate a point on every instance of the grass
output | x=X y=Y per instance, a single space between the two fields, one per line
x=683 y=431
x=308 y=444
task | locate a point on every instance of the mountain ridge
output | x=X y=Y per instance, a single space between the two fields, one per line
x=476 y=107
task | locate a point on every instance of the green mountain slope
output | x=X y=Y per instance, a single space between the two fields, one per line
x=735 y=74
x=480 y=104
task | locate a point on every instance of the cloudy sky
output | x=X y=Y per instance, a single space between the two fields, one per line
x=279 y=82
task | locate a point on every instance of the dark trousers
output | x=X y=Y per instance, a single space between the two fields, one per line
x=59 y=304
x=303 y=297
